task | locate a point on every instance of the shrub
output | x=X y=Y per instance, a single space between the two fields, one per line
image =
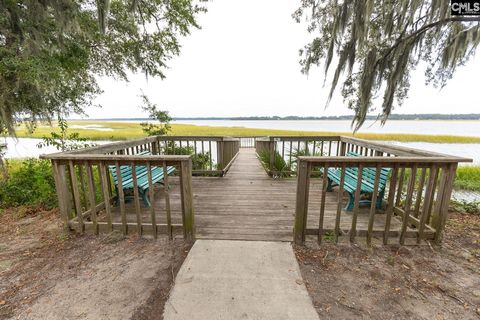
x=29 y=182
x=468 y=177
x=200 y=161
x=303 y=152
x=280 y=167
x=466 y=207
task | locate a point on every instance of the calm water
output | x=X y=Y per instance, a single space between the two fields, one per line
x=24 y=147
x=27 y=148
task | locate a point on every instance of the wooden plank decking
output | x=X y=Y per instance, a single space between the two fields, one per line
x=247 y=204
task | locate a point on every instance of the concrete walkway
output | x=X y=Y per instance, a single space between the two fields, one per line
x=239 y=280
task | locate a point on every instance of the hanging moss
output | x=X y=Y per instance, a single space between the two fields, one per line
x=379 y=43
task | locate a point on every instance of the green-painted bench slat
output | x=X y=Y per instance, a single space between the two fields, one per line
x=367 y=184
x=142 y=177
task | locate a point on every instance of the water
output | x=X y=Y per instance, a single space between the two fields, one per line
x=432 y=127
x=25 y=147
x=466 y=150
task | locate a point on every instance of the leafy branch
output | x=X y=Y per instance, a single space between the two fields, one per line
x=162 y=127
x=64 y=141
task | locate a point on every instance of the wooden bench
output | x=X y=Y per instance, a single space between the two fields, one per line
x=350 y=182
x=142 y=178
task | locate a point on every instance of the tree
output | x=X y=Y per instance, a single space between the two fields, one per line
x=51 y=51
x=64 y=141
x=379 y=43
x=162 y=117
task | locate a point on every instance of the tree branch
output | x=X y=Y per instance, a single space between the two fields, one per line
x=424 y=29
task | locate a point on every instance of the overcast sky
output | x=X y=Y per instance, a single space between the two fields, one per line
x=244 y=62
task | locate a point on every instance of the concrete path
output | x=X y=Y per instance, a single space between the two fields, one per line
x=239 y=280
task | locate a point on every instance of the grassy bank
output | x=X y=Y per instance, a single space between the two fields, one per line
x=112 y=130
x=468 y=178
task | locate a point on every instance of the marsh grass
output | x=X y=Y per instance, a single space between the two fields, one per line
x=468 y=178
x=130 y=130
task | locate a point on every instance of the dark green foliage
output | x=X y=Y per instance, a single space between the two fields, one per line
x=200 y=161
x=280 y=167
x=162 y=117
x=304 y=152
x=379 y=43
x=52 y=50
x=466 y=207
x=329 y=236
x=29 y=182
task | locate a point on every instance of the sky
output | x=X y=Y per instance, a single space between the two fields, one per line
x=244 y=62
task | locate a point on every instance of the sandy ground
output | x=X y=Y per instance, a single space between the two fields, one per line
x=412 y=282
x=46 y=274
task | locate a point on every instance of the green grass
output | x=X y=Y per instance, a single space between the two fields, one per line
x=127 y=130
x=29 y=183
x=468 y=177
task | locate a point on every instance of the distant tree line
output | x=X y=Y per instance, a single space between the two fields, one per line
x=429 y=116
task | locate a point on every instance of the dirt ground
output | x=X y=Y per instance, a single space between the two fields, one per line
x=47 y=274
x=411 y=282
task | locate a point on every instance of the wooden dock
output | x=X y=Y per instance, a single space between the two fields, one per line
x=247 y=204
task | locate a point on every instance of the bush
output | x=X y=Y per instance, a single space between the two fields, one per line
x=280 y=166
x=200 y=161
x=466 y=207
x=296 y=152
x=29 y=182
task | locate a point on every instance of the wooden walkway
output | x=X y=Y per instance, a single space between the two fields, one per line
x=247 y=204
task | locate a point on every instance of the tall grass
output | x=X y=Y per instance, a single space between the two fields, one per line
x=128 y=130
x=468 y=177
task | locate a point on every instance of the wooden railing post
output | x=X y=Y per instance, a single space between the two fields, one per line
x=60 y=177
x=443 y=201
x=220 y=159
x=154 y=147
x=3 y=169
x=271 y=148
x=343 y=148
x=301 y=206
x=188 y=218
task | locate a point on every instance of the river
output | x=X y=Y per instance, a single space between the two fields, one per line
x=25 y=147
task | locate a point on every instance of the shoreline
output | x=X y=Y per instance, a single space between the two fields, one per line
x=116 y=130
x=246 y=119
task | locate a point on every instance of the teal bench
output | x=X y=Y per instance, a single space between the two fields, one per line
x=142 y=178
x=350 y=183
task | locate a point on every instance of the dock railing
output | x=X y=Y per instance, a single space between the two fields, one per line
x=418 y=191
x=247 y=142
x=85 y=190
